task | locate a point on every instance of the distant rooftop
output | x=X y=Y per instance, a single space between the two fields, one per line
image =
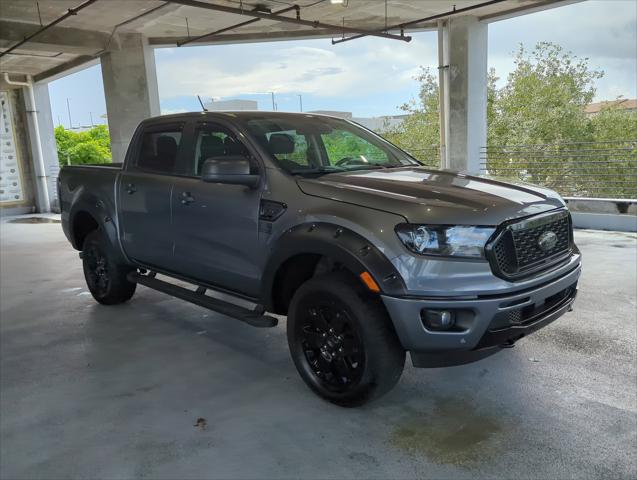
x=234 y=104
x=622 y=103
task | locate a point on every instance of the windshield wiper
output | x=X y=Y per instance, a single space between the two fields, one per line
x=314 y=170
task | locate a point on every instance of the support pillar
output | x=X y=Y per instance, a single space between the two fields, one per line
x=130 y=89
x=464 y=93
x=47 y=143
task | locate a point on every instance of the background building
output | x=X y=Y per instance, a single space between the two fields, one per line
x=234 y=104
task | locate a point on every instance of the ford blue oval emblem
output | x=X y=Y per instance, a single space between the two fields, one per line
x=547 y=241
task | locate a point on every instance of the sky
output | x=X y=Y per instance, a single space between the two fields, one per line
x=369 y=76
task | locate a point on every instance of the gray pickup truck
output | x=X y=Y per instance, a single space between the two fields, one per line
x=368 y=253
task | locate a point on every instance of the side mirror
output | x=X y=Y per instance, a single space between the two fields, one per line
x=231 y=170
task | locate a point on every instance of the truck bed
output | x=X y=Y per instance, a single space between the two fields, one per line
x=95 y=184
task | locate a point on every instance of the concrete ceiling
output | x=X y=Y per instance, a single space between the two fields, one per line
x=81 y=38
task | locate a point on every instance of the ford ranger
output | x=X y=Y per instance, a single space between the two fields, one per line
x=367 y=252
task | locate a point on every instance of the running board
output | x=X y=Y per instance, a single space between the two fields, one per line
x=251 y=317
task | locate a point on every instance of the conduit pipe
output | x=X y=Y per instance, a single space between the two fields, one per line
x=40 y=173
x=443 y=75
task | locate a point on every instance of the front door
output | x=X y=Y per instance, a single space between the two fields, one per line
x=216 y=225
x=144 y=194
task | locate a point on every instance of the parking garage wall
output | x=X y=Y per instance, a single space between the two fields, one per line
x=17 y=187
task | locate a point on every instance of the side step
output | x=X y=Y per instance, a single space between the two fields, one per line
x=199 y=297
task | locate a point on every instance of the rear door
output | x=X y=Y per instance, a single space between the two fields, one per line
x=144 y=194
x=216 y=226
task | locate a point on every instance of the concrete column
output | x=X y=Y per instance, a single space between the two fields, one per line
x=130 y=89
x=42 y=145
x=465 y=93
x=47 y=141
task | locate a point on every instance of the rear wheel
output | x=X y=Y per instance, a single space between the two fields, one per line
x=105 y=278
x=342 y=341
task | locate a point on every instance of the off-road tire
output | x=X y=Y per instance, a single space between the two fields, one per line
x=376 y=369
x=105 y=277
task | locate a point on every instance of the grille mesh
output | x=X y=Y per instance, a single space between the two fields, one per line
x=517 y=250
x=526 y=242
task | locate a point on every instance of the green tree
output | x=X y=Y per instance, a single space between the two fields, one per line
x=419 y=134
x=538 y=130
x=544 y=98
x=80 y=148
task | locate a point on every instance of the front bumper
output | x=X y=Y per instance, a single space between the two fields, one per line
x=489 y=321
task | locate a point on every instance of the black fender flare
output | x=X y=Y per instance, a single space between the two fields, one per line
x=341 y=245
x=96 y=208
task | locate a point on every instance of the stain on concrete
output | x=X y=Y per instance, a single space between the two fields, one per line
x=364 y=458
x=453 y=433
x=201 y=423
x=35 y=220
x=574 y=340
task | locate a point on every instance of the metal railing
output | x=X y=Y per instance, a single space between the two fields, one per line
x=582 y=169
x=430 y=155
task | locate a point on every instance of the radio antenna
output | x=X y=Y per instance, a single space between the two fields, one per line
x=201 y=103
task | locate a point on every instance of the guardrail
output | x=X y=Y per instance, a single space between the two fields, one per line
x=582 y=169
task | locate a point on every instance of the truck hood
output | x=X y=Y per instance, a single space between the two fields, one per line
x=434 y=196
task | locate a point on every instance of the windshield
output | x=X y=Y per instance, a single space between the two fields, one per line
x=308 y=145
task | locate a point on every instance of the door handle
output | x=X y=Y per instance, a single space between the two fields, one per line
x=187 y=198
x=131 y=188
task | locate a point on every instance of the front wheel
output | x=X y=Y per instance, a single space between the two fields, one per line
x=105 y=278
x=342 y=341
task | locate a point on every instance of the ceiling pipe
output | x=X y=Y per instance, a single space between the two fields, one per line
x=69 y=13
x=401 y=26
x=280 y=18
x=41 y=177
x=242 y=24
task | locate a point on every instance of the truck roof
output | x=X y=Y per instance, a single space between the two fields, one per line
x=238 y=114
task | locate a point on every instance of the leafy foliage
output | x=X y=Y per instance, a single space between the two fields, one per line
x=81 y=148
x=538 y=130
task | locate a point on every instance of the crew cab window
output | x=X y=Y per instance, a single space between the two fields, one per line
x=159 y=149
x=215 y=141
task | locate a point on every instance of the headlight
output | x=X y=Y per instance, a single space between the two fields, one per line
x=445 y=240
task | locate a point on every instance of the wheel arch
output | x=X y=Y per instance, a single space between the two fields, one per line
x=88 y=215
x=311 y=248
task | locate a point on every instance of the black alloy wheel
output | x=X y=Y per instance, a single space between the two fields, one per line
x=105 y=277
x=97 y=270
x=342 y=341
x=333 y=348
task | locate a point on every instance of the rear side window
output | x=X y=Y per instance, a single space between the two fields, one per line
x=159 y=149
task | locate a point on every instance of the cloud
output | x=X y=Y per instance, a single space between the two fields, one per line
x=604 y=31
x=363 y=68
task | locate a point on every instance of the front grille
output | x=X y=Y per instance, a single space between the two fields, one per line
x=530 y=245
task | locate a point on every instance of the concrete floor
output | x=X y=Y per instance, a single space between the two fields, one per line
x=116 y=392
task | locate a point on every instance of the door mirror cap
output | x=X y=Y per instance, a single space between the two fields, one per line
x=231 y=170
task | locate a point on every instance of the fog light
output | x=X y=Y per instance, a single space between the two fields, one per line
x=438 y=319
